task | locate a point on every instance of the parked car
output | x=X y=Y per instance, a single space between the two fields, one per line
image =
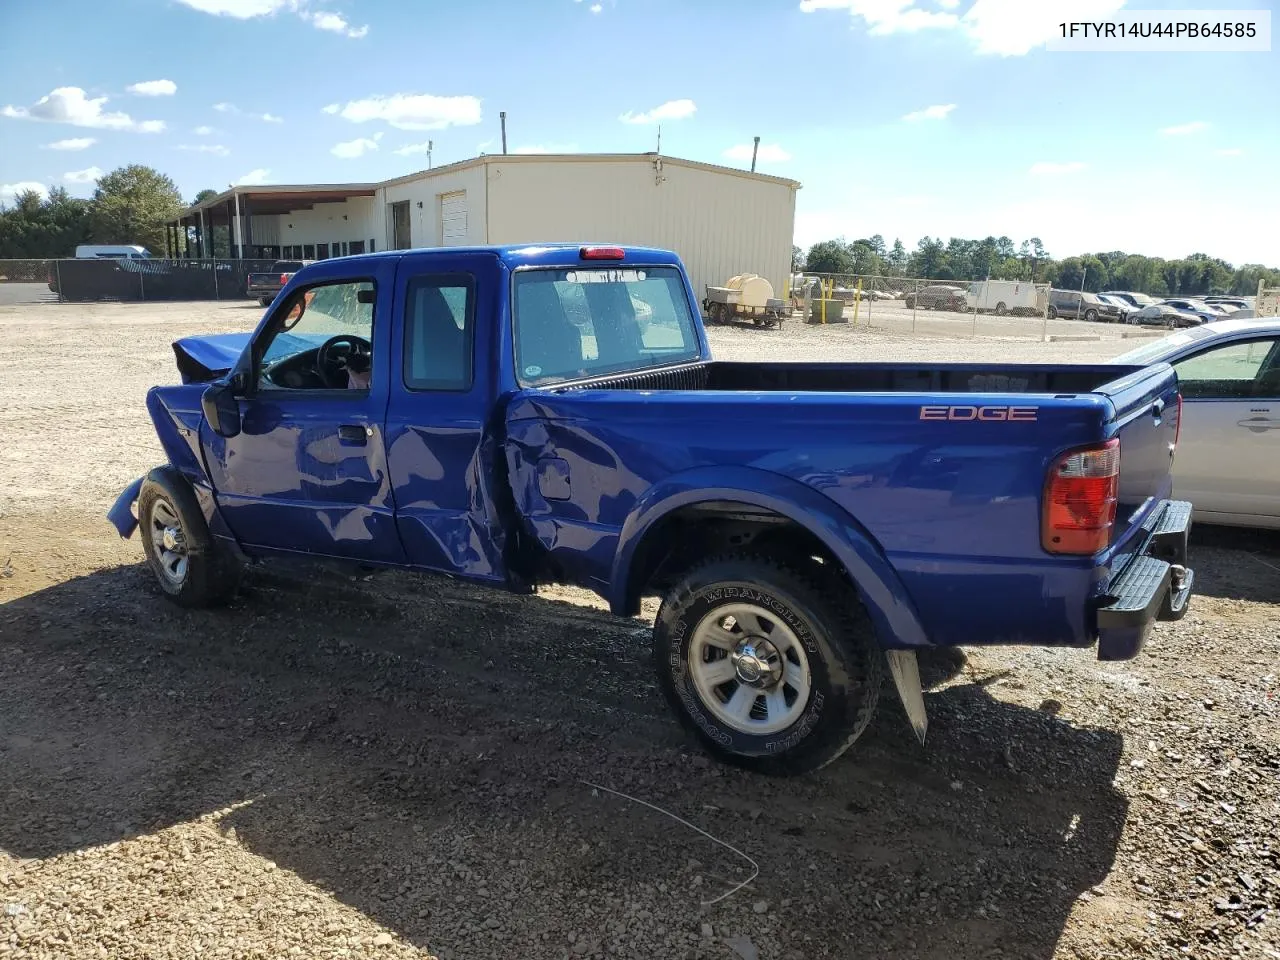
x=937 y=296
x=1164 y=315
x=1123 y=306
x=1228 y=460
x=263 y=287
x=1135 y=300
x=112 y=251
x=1076 y=305
x=1204 y=311
x=492 y=440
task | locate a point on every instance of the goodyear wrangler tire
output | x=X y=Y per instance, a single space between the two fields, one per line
x=771 y=667
x=192 y=569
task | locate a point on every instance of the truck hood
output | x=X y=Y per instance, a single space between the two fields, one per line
x=206 y=358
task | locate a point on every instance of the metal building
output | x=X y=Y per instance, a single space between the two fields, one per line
x=721 y=221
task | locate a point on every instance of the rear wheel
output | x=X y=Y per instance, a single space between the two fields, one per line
x=265 y=301
x=191 y=567
x=1053 y=314
x=772 y=667
x=1001 y=309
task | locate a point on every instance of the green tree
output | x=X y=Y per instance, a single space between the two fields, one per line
x=797 y=255
x=37 y=227
x=896 y=258
x=929 y=261
x=203 y=195
x=830 y=256
x=132 y=205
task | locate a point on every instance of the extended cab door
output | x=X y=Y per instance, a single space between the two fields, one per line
x=441 y=452
x=1228 y=461
x=307 y=472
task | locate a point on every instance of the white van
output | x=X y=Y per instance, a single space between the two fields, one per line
x=1006 y=296
x=108 y=251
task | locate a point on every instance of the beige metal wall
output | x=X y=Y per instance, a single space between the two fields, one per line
x=720 y=224
x=424 y=221
x=324 y=223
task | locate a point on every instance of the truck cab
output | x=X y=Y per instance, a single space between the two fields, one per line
x=552 y=413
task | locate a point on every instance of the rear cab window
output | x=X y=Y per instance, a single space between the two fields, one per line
x=578 y=322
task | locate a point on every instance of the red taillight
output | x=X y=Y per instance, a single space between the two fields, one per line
x=284 y=279
x=602 y=253
x=1080 y=499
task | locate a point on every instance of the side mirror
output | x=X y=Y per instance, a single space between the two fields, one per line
x=221 y=409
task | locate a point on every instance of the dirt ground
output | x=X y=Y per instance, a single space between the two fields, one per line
x=403 y=766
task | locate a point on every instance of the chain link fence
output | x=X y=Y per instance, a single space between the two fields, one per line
x=86 y=281
x=923 y=306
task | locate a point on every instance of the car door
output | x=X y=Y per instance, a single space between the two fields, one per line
x=307 y=472
x=443 y=459
x=1228 y=459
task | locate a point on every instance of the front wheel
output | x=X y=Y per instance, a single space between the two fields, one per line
x=1001 y=309
x=772 y=666
x=1053 y=314
x=1091 y=315
x=191 y=567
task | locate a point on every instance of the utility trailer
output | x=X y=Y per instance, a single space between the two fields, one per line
x=745 y=297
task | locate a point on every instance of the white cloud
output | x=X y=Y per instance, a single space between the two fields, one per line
x=332 y=108
x=1007 y=28
x=412 y=111
x=335 y=23
x=413 y=149
x=769 y=153
x=70 y=105
x=88 y=175
x=1048 y=168
x=240 y=9
x=225 y=108
x=596 y=8
x=203 y=131
x=233 y=109
x=538 y=148
x=350 y=149
x=271 y=118
x=1230 y=152
x=253 y=178
x=1185 y=129
x=217 y=149
x=153 y=88
x=939 y=111
x=671 y=110
x=75 y=143
x=887 y=16
x=9 y=191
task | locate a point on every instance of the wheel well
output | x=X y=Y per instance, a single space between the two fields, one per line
x=690 y=534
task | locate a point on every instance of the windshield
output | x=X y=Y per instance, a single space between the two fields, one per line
x=590 y=322
x=1156 y=350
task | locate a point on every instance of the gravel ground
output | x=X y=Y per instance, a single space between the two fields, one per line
x=401 y=766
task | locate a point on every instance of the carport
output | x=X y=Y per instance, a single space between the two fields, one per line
x=193 y=233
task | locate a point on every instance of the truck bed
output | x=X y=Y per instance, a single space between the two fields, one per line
x=1066 y=379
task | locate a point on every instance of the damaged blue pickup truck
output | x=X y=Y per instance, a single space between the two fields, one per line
x=517 y=416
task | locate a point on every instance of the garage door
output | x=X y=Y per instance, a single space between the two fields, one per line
x=453 y=219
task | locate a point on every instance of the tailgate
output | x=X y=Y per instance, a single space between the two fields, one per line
x=1146 y=421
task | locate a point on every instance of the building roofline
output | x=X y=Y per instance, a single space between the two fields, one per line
x=250 y=189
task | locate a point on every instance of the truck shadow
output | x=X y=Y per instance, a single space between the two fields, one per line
x=1236 y=563
x=423 y=750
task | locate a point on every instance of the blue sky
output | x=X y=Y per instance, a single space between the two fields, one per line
x=900 y=117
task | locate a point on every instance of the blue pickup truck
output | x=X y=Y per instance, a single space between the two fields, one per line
x=537 y=414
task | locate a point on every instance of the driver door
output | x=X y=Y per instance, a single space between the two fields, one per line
x=307 y=473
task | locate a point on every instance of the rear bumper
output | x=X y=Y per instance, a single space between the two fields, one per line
x=1154 y=583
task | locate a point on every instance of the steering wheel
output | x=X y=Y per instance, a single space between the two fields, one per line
x=331 y=364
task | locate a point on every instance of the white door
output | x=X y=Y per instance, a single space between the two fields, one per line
x=1228 y=458
x=453 y=219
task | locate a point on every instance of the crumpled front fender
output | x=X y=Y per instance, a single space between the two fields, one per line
x=121 y=512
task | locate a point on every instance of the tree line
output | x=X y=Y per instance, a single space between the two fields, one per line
x=998 y=259
x=129 y=205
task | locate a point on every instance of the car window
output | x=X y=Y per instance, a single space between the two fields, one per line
x=1234 y=371
x=311 y=317
x=594 y=321
x=439 y=332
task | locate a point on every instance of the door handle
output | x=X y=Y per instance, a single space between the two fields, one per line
x=354 y=433
x=1259 y=424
